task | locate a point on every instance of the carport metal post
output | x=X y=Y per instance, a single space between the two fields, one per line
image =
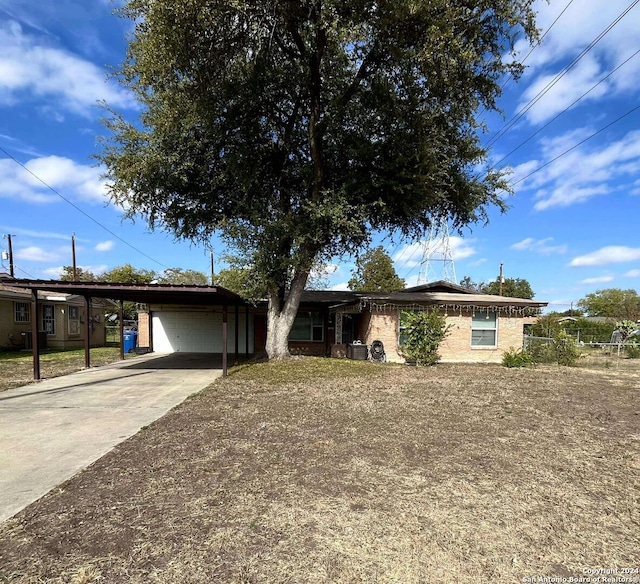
x=246 y=330
x=35 y=345
x=121 y=328
x=236 y=316
x=87 y=331
x=224 y=340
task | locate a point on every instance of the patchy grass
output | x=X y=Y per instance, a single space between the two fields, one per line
x=17 y=367
x=607 y=358
x=322 y=471
x=302 y=369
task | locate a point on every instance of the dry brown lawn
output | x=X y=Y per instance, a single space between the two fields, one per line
x=322 y=471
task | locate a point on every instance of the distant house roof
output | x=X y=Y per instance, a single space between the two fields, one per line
x=20 y=294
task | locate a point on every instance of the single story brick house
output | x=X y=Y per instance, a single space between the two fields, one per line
x=209 y=319
x=60 y=320
x=482 y=326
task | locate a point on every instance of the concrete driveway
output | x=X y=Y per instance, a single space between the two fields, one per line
x=52 y=429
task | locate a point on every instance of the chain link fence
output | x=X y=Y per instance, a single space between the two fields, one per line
x=595 y=355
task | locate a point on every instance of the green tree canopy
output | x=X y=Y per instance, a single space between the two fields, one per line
x=513 y=287
x=612 y=303
x=375 y=273
x=82 y=275
x=180 y=276
x=296 y=128
x=127 y=274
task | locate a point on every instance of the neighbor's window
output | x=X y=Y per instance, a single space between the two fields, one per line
x=49 y=319
x=22 y=312
x=484 y=329
x=308 y=326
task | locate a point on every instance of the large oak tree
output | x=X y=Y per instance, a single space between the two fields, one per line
x=296 y=127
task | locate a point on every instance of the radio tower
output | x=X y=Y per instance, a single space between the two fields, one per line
x=437 y=258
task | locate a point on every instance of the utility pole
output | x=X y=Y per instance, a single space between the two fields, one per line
x=212 y=270
x=10 y=253
x=73 y=257
x=500 y=282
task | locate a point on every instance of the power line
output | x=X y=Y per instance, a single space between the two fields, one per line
x=546 y=32
x=80 y=210
x=559 y=76
x=567 y=108
x=576 y=145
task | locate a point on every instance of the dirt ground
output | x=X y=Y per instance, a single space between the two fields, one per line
x=322 y=471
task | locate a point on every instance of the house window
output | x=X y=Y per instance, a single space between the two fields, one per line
x=484 y=329
x=308 y=326
x=22 y=312
x=49 y=319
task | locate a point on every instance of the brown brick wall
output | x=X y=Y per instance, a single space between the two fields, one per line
x=314 y=348
x=144 y=337
x=382 y=326
x=456 y=347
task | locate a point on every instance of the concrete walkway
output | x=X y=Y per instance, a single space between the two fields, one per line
x=52 y=429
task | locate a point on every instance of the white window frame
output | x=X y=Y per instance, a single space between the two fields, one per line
x=49 y=321
x=483 y=321
x=22 y=312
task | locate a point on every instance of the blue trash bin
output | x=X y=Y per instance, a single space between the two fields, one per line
x=129 y=339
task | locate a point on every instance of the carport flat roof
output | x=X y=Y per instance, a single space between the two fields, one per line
x=143 y=293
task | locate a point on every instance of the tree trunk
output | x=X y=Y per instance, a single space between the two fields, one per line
x=280 y=317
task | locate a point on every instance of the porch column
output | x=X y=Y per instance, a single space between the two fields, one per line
x=87 y=331
x=35 y=344
x=224 y=340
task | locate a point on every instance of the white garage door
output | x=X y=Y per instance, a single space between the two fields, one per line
x=197 y=332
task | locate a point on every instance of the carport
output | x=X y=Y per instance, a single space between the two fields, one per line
x=166 y=294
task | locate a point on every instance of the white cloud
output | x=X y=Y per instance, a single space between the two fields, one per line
x=105 y=246
x=611 y=254
x=19 y=231
x=633 y=274
x=340 y=286
x=583 y=173
x=30 y=70
x=70 y=179
x=581 y=24
x=542 y=246
x=550 y=96
x=36 y=254
x=56 y=272
x=597 y=280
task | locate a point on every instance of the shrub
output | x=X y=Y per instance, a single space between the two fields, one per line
x=542 y=351
x=517 y=358
x=561 y=349
x=566 y=349
x=422 y=335
x=632 y=350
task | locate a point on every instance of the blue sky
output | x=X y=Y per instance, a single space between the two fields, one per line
x=571 y=137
